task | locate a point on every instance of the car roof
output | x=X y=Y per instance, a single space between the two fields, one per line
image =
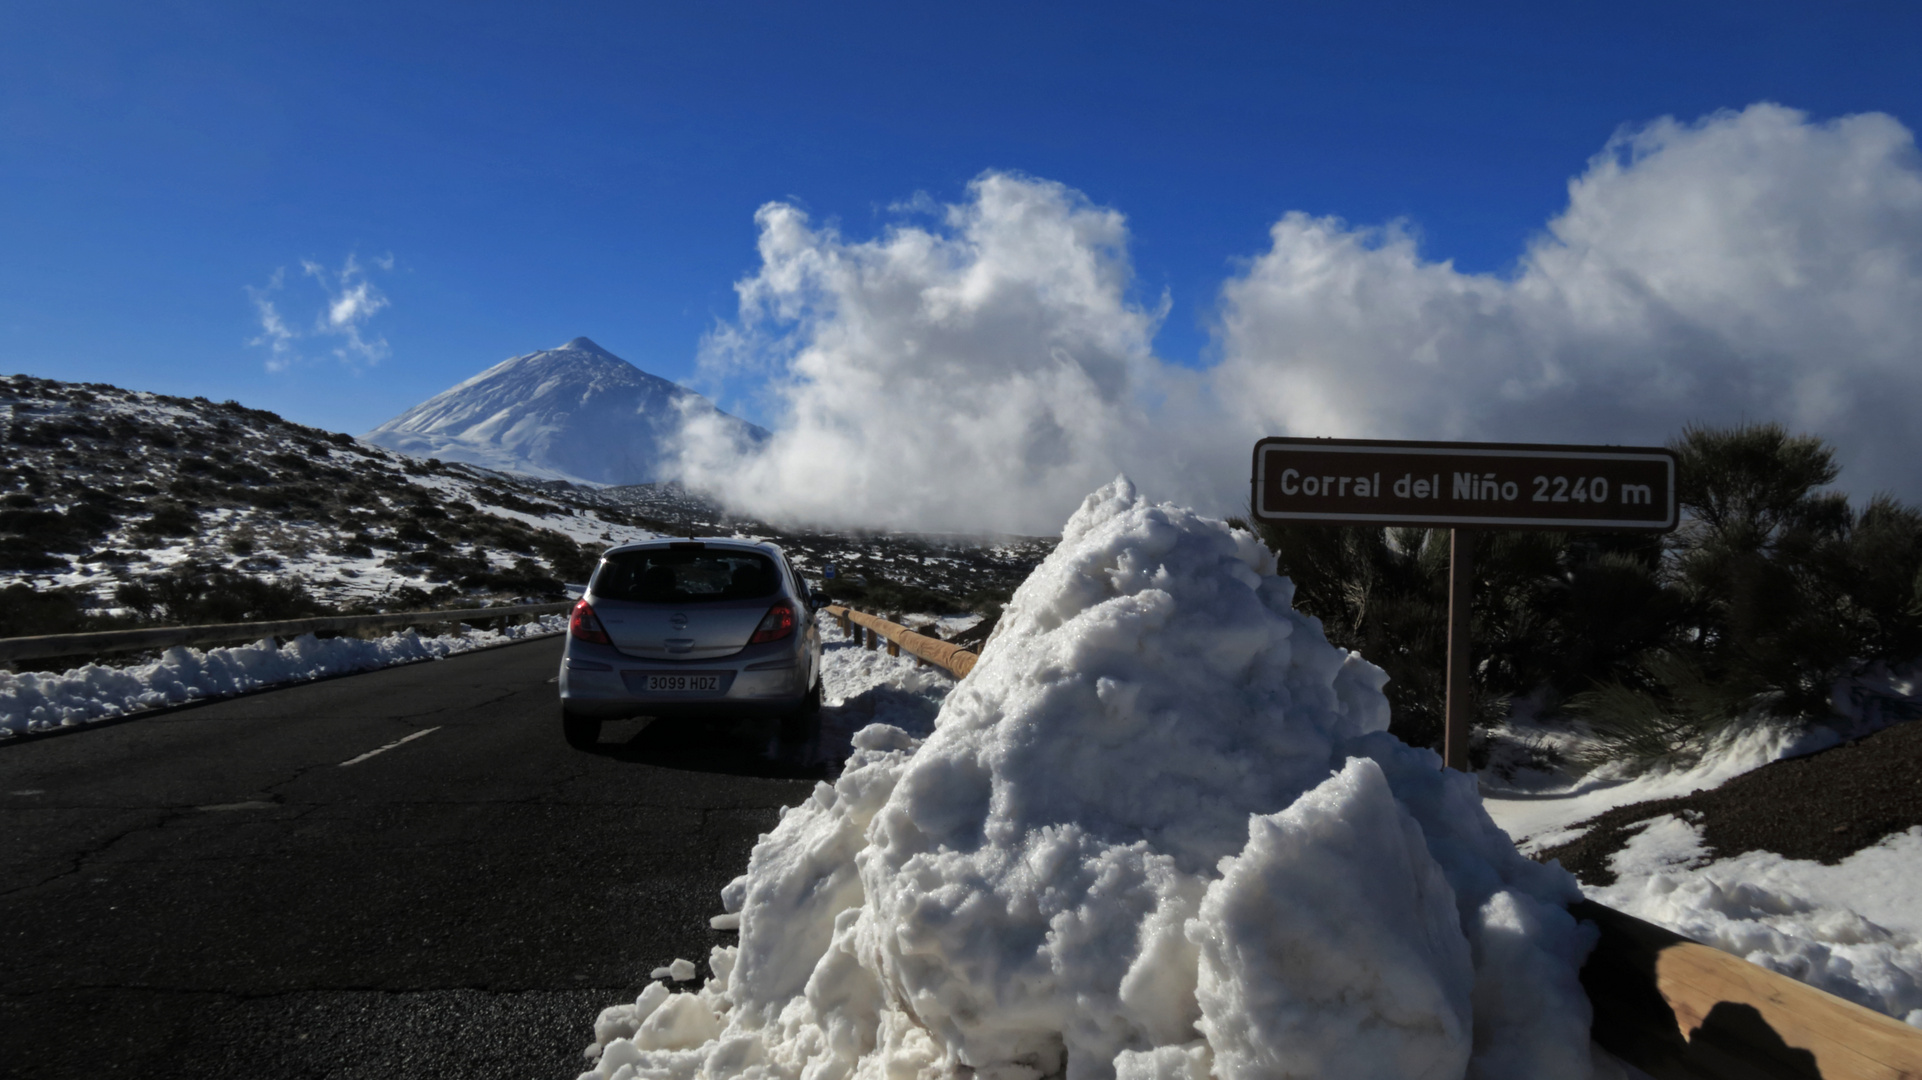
x=733 y=542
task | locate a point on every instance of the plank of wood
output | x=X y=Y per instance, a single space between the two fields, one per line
x=1681 y=1010
x=1846 y=1040
x=956 y=660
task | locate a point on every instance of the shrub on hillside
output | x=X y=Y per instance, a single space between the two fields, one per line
x=29 y=612
x=882 y=594
x=525 y=578
x=22 y=553
x=508 y=501
x=409 y=598
x=570 y=561
x=169 y=519
x=1782 y=588
x=500 y=533
x=190 y=594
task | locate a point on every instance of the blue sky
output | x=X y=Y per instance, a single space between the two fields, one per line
x=594 y=169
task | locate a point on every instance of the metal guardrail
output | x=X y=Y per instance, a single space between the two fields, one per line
x=952 y=658
x=1670 y=1006
x=164 y=637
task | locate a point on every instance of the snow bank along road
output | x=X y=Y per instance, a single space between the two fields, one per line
x=401 y=873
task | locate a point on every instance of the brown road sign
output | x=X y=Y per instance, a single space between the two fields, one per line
x=1465 y=485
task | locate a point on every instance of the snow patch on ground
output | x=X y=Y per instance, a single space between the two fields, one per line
x=942 y=626
x=1853 y=929
x=861 y=687
x=850 y=671
x=1160 y=831
x=44 y=700
x=1542 y=807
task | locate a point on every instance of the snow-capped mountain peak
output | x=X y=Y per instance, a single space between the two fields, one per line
x=577 y=412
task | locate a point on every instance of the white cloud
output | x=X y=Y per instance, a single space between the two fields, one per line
x=349 y=301
x=274 y=333
x=990 y=368
x=1751 y=265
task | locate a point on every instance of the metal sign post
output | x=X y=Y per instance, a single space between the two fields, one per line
x=1464 y=487
x=1461 y=603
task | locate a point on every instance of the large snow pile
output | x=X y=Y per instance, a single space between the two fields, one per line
x=44 y=700
x=1160 y=831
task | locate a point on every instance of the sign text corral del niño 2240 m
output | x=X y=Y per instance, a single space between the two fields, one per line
x=1465 y=485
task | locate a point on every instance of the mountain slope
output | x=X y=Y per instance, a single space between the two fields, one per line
x=576 y=413
x=121 y=507
x=114 y=500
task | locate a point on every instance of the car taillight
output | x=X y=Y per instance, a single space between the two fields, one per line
x=775 y=625
x=586 y=625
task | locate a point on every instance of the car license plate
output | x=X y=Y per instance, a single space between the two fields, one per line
x=683 y=682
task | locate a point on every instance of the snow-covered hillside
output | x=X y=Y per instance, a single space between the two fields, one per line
x=576 y=413
x=103 y=488
x=1844 y=918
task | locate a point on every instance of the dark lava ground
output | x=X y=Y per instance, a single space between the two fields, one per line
x=1823 y=807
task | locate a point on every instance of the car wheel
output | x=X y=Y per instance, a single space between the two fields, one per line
x=581 y=732
x=805 y=721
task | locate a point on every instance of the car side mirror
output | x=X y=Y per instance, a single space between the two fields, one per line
x=817 y=599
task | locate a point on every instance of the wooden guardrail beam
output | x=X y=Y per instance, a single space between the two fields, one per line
x=164 y=637
x=950 y=657
x=1680 y=1010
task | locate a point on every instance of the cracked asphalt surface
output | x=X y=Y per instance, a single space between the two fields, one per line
x=211 y=893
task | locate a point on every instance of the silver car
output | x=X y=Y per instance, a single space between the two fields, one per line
x=699 y=627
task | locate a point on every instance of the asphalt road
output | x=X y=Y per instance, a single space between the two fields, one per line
x=236 y=890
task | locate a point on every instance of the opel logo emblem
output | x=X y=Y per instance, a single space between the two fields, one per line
x=678 y=620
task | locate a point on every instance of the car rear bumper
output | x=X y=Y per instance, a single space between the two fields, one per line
x=719 y=709
x=601 y=681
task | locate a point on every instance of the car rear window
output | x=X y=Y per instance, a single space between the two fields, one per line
x=686 y=576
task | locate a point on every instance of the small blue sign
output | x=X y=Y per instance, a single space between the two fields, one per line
x=828 y=571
